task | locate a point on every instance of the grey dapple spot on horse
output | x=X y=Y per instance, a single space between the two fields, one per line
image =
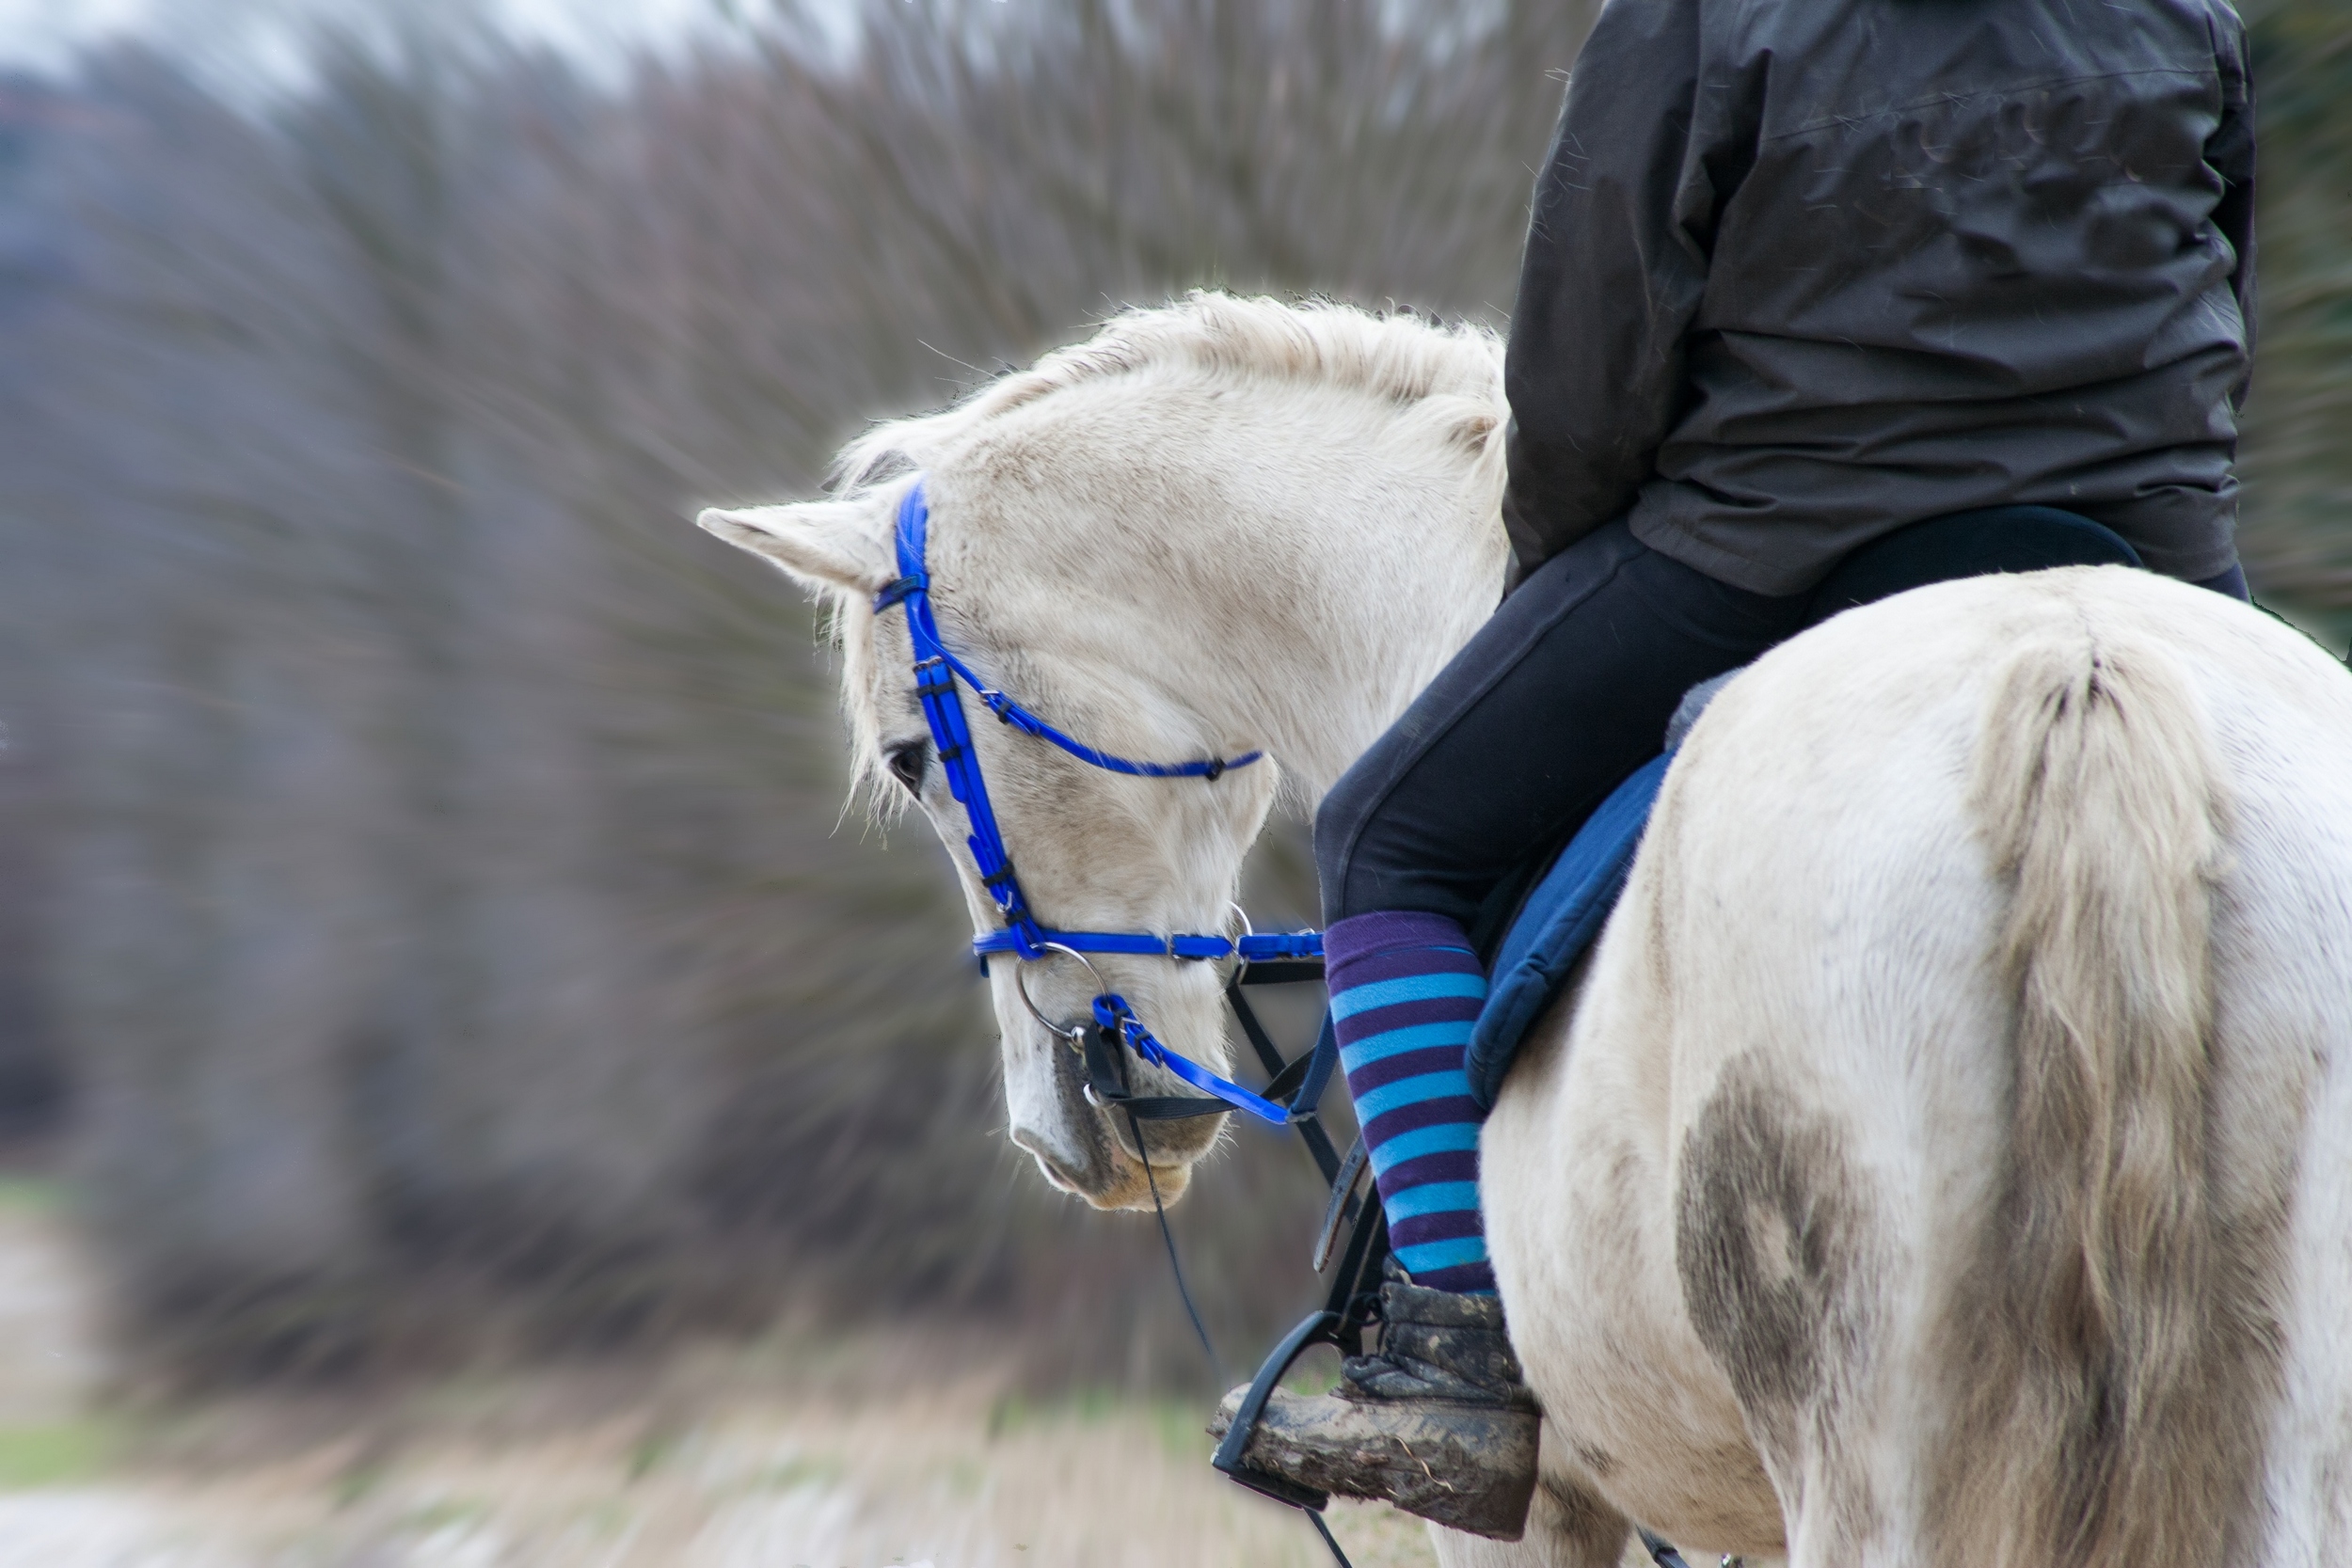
x=1768 y=1243
x=1773 y=1243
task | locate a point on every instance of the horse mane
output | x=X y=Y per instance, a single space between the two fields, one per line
x=1398 y=356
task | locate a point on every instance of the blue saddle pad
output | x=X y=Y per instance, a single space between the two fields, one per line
x=1559 y=921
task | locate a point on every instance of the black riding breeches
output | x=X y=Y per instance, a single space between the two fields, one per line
x=1557 y=698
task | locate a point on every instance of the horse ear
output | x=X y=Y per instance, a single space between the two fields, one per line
x=825 y=545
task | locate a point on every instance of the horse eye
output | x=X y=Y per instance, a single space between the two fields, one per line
x=907 y=764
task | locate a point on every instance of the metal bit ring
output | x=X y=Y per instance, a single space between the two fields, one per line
x=1074 y=1034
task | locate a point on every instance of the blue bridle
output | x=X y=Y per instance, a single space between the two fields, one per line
x=936 y=672
x=1295 y=1088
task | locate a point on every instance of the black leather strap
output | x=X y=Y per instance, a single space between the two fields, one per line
x=1292 y=1081
x=1282 y=971
x=1342 y=1207
x=1107 y=1086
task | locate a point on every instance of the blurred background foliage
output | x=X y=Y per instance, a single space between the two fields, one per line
x=429 y=920
x=2297 y=533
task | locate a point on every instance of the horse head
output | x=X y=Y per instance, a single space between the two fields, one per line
x=1095 y=850
x=1108 y=546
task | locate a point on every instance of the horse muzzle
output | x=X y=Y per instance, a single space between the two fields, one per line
x=1092 y=1151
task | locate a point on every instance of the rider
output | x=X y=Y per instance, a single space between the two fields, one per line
x=1797 y=275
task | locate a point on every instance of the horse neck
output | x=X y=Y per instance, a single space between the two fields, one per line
x=1331 y=618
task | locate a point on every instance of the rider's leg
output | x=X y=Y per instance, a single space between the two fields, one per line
x=1564 y=692
x=1556 y=700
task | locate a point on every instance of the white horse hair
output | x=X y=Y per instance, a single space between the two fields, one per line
x=1933 y=1164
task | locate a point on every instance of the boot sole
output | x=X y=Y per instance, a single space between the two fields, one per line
x=1467 y=1468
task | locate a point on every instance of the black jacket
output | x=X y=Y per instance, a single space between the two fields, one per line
x=1800 y=272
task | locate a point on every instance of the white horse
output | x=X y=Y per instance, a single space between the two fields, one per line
x=1937 y=1160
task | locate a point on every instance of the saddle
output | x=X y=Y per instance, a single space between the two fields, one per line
x=1534 y=929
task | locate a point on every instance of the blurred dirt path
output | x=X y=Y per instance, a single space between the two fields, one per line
x=807 y=1453
x=56 y=1511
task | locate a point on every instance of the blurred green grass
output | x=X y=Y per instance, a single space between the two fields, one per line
x=37 y=1195
x=56 y=1453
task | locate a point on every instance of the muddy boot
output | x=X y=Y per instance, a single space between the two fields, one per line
x=1437 y=1423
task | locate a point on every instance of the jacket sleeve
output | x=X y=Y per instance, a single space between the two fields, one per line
x=2230 y=152
x=1615 y=263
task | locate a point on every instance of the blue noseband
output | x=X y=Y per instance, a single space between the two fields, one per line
x=936 y=673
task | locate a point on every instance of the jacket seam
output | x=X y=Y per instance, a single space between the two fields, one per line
x=1854 y=121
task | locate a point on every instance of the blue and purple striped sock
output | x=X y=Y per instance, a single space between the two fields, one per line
x=1405 y=988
